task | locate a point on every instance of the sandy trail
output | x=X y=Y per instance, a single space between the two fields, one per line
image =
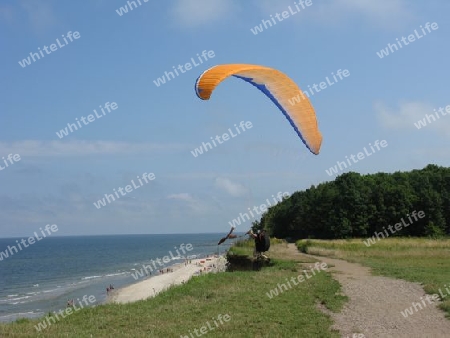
x=152 y=286
x=375 y=304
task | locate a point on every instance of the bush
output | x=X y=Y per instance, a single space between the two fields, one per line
x=303 y=245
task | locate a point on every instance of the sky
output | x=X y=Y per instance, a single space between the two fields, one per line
x=116 y=57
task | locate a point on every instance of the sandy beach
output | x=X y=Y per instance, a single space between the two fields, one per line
x=181 y=273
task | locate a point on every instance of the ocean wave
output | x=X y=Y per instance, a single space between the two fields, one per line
x=47 y=291
x=90 y=277
x=19 y=298
x=116 y=274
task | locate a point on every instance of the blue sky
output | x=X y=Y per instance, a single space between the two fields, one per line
x=117 y=58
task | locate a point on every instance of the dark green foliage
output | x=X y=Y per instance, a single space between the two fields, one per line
x=303 y=246
x=355 y=205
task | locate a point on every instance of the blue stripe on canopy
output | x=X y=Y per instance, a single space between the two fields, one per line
x=266 y=91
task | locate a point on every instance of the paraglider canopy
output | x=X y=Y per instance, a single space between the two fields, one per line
x=278 y=87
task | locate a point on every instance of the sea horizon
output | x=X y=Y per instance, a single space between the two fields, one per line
x=106 y=235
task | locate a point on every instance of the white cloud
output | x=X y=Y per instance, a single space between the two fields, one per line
x=190 y=203
x=83 y=148
x=435 y=154
x=230 y=187
x=409 y=113
x=73 y=212
x=382 y=13
x=200 y=12
x=6 y=13
x=247 y=176
x=40 y=13
x=181 y=196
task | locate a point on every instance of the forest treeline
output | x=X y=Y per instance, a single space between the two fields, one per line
x=355 y=205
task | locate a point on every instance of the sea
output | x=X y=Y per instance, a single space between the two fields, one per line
x=41 y=278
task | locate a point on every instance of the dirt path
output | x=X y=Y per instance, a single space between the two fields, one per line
x=375 y=304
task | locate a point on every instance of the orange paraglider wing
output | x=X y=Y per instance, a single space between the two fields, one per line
x=278 y=87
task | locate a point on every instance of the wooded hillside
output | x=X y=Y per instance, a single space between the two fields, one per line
x=355 y=205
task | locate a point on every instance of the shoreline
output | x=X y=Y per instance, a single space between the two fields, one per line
x=162 y=281
x=152 y=286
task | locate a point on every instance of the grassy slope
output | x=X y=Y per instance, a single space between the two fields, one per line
x=242 y=295
x=422 y=260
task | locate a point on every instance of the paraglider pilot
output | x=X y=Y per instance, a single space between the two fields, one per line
x=261 y=243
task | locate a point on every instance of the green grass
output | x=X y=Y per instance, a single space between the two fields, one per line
x=241 y=295
x=421 y=260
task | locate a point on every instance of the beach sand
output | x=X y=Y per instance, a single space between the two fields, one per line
x=181 y=273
